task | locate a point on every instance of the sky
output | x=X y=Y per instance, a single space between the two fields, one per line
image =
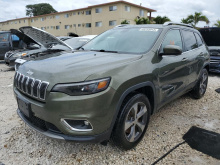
x=174 y=9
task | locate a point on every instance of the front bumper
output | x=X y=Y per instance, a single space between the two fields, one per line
x=92 y=139
x=96 y=108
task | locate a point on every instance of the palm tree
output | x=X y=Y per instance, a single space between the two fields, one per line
x=217 y=23
x=161 y=20
x=186 y=21
x=142 y=20
x=194 y=19
x=125 y=22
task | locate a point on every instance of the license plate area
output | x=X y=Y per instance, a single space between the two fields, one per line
x=24 y=107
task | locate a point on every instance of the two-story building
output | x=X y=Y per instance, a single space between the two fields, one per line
x=84 y=21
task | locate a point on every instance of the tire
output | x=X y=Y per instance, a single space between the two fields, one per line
x=130 y=127
x=200 y=88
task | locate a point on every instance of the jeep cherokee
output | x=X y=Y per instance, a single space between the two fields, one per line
x=113 y=84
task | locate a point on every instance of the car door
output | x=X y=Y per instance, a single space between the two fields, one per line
x=173 y=71
x=192 y=53
x=4 y=44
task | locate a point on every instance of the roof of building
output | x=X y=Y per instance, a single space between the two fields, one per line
x=109 y=3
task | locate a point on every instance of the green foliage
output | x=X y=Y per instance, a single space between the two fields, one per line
x=161 y=20
x=39 y=9
x=217 y=23
x=194 y=19
x=125 y=22
x=142 y=20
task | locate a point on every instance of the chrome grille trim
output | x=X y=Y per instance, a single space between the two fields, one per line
x=30 y=86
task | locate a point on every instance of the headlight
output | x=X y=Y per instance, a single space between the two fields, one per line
x=84 y=88
x=19 y=54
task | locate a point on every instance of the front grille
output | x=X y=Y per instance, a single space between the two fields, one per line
x=33 y=87
x=214 y=61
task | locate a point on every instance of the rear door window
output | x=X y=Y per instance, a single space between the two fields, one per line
x=189 y=40
x=173 y=37
x=199 y=40
x=4 y=37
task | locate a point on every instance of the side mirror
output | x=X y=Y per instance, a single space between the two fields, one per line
x=171 y=50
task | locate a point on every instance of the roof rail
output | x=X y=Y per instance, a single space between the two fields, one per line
x=176 y=23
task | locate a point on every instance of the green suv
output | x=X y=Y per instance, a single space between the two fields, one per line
x=111 y=86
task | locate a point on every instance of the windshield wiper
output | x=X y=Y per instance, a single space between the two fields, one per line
x=102 y=50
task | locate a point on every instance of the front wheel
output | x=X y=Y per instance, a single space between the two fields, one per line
x=201 y=86
x=132 y=122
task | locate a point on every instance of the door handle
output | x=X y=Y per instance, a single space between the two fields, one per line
x=184 y=59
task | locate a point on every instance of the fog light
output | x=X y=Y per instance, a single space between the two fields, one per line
x=77 y=125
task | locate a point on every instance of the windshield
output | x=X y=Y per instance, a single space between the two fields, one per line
x=124 y=40
x=210 y=36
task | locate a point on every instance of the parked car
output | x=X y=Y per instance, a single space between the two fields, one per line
x=212 y=39
x=111 y=87
x=10 y=40
x=52 y=45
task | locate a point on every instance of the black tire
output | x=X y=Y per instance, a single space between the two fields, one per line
x=123 y=137
x=200 y=88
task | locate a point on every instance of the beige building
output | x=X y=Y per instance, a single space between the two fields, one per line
x=85 y=21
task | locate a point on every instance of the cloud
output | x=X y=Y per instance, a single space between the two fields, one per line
x=174 y=9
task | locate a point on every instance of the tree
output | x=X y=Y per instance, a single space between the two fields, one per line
x=142 y=20
x=161 y=20
x=217 y=23
x=125 y=22
x=186 y=21
x=194 y=19
x=39 y=9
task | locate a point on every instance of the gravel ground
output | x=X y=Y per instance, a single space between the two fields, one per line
x=21 y=145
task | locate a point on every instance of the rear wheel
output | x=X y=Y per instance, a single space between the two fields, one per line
x=132 y=122
x=201 y=86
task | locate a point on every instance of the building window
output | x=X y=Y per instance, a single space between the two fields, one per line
x=141 y=13
x=74 y=13
x=79 y=25
x=52 y=27
x=19 y=21
x=57 y=16
x=47 y=27
x=98 y=10
x=112 y=8
x=24 y=20
x=11 y=22
x=98 y=24
x=57 y=27
x=127 y=8
x=42 y=19
x=78 y=12
x=88 y=25
x=88 y=12
x=43 y=28
x=32 y=20
x=15 y=22
x=112 y=23
x=67 y=26
x=74 y=25
x=66 y=15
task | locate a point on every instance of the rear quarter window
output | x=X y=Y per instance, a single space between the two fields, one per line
x=199 y=40
x=189 y=40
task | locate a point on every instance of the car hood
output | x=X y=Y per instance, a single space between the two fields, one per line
x=42 y=37
x=26 y=39
x=75 y=67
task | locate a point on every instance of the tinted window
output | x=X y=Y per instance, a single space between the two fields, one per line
x=4 y=37
x=173 y=37
x=189 y=40
x=199 y=40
